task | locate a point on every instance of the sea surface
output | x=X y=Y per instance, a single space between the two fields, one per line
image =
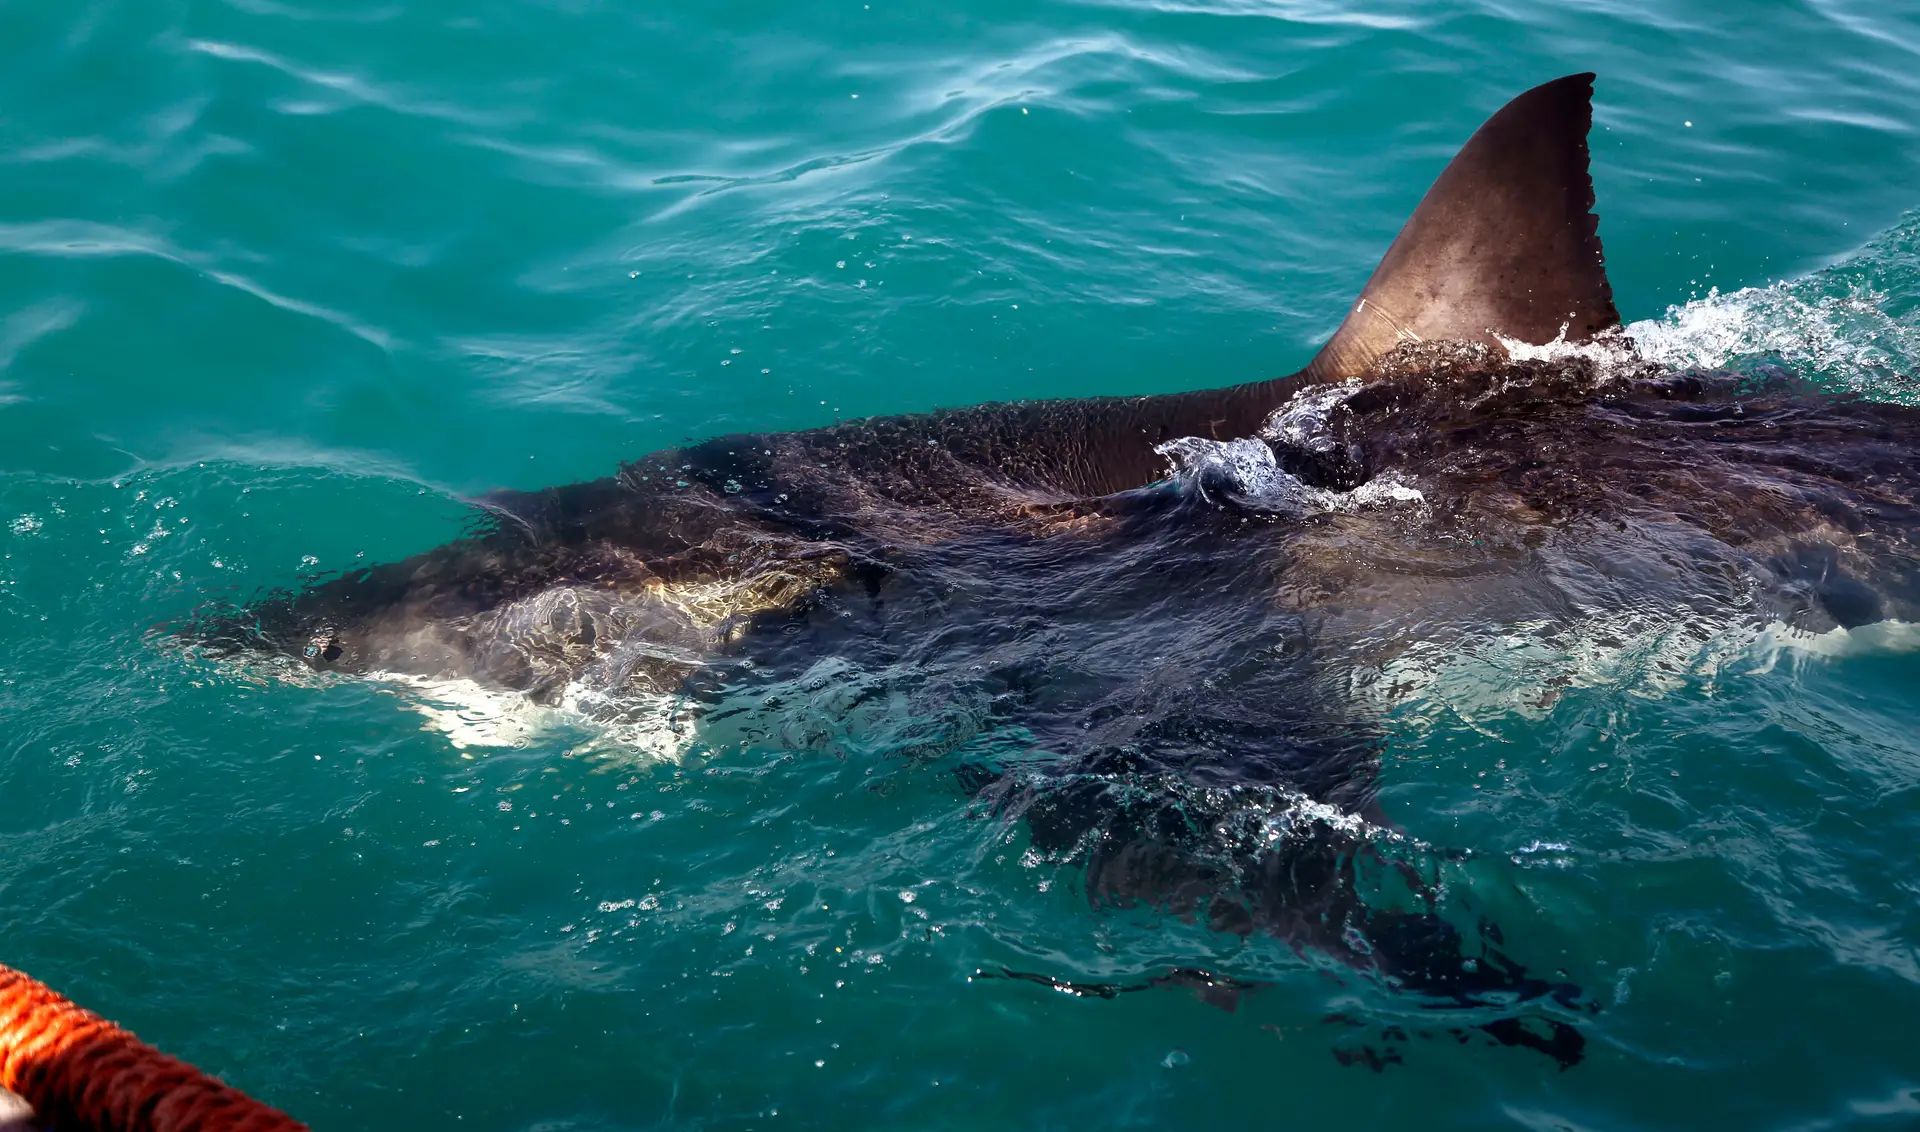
x=284 y=284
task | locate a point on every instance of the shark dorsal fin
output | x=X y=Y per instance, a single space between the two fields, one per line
x=1504 y=242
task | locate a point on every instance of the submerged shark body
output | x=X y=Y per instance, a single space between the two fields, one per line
x=1175 y=596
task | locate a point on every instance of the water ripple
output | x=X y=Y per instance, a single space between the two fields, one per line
x=85 y=239
x=354 y=89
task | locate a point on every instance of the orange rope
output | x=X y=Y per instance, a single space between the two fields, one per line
x=82 y=1073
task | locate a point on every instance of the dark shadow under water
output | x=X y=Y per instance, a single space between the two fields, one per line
x=1180 y=653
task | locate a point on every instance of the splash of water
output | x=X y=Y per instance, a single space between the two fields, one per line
x=1246 y=471
x=1847 y=328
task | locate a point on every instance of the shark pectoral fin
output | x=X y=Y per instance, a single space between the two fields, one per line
x=1504 y=242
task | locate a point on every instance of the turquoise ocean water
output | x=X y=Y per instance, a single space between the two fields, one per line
x=282 y=284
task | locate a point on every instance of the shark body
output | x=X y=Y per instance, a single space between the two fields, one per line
x=1476 y=445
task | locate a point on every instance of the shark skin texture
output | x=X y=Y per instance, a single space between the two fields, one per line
x=1170 y=596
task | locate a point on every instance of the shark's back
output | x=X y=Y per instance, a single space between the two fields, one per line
x=1178 y=606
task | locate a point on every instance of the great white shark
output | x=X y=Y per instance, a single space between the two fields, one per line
x=1172 y=595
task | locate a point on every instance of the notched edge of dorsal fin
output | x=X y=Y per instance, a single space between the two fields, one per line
x=1505 y=243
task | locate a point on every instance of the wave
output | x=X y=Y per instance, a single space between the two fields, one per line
x=1849 y=327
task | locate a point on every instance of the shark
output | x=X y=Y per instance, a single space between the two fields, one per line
x=1174 y=599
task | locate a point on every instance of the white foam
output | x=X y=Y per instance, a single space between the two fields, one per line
x=1246 y=463
x=1384 y=489
x=1255 y=477
x=1847 y=339
x=1611 y=352
x=1257 y=480
x=1303 y=421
